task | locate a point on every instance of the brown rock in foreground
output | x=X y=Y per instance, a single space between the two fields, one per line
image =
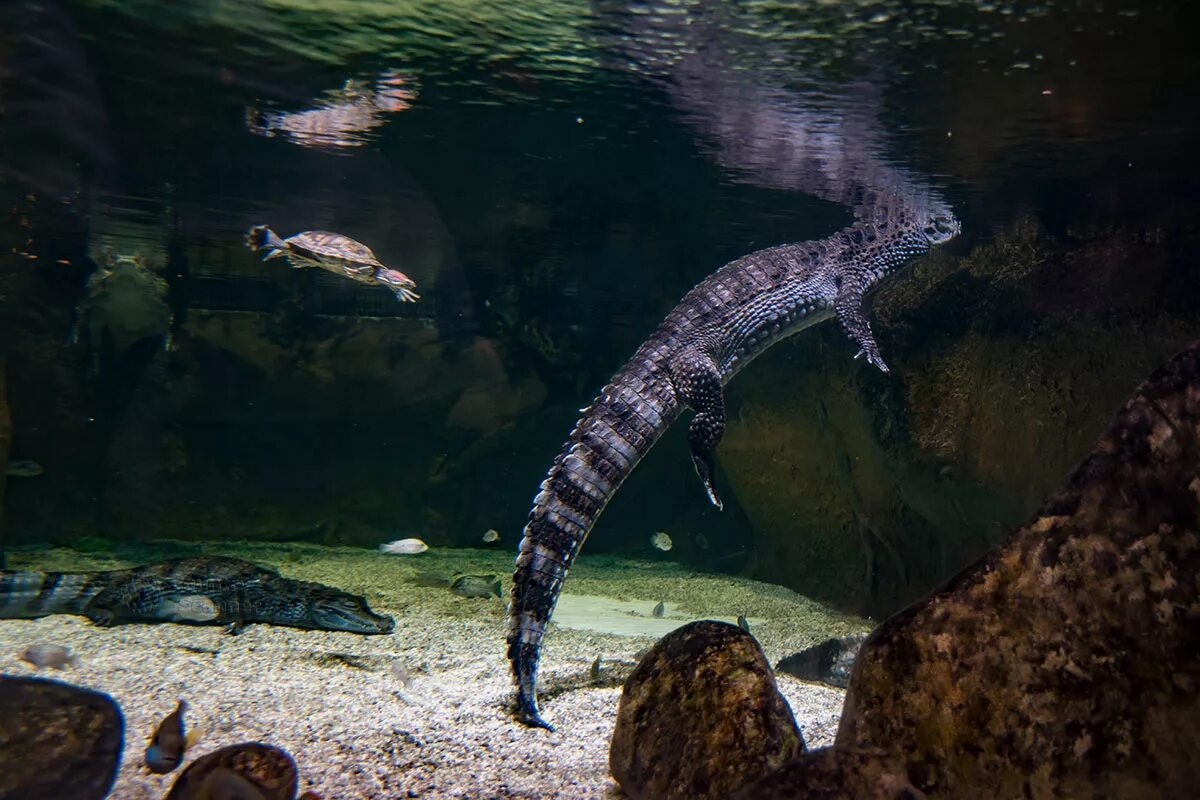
x=700 y=717
x=265 y=768
x=57 y=740
x=1064 y=664
x=835 y=773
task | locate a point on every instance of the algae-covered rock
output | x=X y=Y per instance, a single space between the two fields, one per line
x=1064 y=663
x=836 y=773
x=700 y=717
x=57 y=740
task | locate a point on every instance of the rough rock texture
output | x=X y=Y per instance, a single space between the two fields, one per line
x=1064 y=663
x=836 y=773
x=700 y=716
x=57 y=740
x=271 y=770
x=869 y=490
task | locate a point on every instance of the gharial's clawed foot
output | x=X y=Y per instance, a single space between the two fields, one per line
x=874 y=359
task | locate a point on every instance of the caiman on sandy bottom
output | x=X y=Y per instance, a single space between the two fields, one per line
x=718 y=327
x=203 y=590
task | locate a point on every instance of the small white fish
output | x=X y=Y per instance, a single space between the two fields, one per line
x=402 y=674
x=23 y=469
x=190 y=608
x=54 y=656
x=404 y=547
x=491 y=535
x=661 y=540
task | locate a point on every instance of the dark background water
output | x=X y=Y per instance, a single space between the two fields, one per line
x=555 y=177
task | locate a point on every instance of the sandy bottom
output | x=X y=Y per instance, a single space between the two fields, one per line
x=355 y=729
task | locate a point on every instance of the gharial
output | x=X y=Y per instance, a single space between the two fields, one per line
x=212 y=590
x=718 y=327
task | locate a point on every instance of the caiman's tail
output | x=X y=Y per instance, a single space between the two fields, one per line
x=609 y=440
x=25 y=595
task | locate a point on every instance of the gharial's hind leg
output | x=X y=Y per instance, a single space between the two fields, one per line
x=698 y=382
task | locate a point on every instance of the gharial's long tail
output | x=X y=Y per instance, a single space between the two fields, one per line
x=25 y=595
x=611 y=437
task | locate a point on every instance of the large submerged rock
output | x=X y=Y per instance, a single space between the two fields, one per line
x=700 y=717
x=835 y=773
x=57 y=740
x=1063 y=664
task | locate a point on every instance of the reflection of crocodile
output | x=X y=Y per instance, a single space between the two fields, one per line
x=203 y=590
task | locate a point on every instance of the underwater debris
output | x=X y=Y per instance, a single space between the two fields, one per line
x=659 y=610
x=165 y=751
x=23 y=469
x=475 y=585
x=405 y=547
x=341 y=659
x=491 y=535
x=55 y=656
x=334 y=253
x=661 y=540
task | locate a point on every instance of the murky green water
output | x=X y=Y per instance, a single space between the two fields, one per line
x=554 y=177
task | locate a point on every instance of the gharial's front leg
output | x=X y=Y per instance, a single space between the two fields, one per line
x=850 y=312
x=104 y=610
x=698 y=383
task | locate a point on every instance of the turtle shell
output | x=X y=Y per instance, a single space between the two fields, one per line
x=333 y=248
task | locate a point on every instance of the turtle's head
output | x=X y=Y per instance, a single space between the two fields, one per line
x=334 y=610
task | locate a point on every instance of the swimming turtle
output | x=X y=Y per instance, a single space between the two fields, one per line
x=338 y=254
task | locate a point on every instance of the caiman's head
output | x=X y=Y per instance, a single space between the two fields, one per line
x=334 y=610
x=941 y=227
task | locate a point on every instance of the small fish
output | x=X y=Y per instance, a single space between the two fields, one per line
x=743 y=623
x=23 y=469
x=661 y=540
x=165 y=752
x=491 y=535
x=401 y=674
x=659 y=610
x=431 y=579
x=190 y=608
x=475 y=585
x=594 y=672
x=54 y=656
x=404 y=547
